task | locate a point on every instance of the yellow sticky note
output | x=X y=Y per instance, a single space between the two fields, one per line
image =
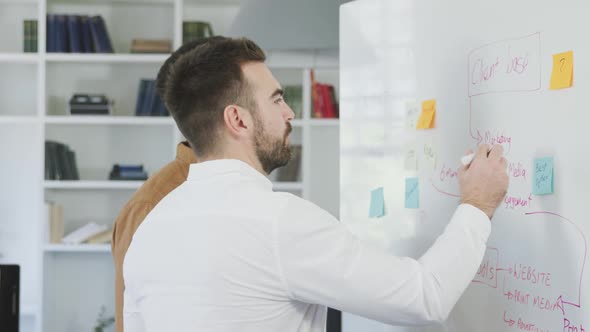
x=563 y=71
x=428 y=116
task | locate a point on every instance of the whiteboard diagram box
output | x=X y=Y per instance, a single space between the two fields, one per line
x=509 y=65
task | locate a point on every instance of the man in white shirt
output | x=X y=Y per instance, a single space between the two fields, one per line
x=223 y=252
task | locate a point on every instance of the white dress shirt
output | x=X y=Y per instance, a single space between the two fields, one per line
x=223 y=252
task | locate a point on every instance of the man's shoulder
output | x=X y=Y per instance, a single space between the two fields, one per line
x=161 y=183
x=293 y=205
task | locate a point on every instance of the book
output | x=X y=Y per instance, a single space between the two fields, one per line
x=51 y=33
x=60 y=162
x=35 y=36
x=86 y=35
x=294 y=98
x=27 y=36
x=194 y=30
x=151 y=46
x=56 y=223
x=100 y=36
x=74 y=33
x=103 y=237
x=128 y=172
x=148 y=102
x=84 y=233
x=61 y=39
x=140 y=97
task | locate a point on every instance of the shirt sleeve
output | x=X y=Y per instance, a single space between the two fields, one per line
x=322 y=262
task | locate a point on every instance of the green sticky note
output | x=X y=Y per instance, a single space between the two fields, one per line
x=543 y=179
x=377 y=208
x=412 y=193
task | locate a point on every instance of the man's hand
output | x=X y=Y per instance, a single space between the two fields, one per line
x=484 y=182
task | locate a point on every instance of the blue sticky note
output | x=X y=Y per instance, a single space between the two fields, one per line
x=377 y=208
x=543 y=179
x=412 y=193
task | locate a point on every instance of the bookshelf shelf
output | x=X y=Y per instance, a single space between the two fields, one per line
x=324 y=122
x=18 y=119
x=19 y=58
x=79 y=248
x=106 y=58
x=92 y=185
x=110 y=120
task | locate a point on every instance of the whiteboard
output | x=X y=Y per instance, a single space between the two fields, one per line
x=488 y=65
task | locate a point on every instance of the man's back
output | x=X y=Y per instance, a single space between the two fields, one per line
x=138 y=207
x=217 y=269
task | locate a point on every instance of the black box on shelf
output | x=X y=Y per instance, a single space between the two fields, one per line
x=89 y=104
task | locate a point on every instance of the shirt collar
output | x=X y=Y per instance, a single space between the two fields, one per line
x=185 y=154
x=208 y=169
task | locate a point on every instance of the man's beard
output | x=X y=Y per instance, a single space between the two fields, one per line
x=271 y=152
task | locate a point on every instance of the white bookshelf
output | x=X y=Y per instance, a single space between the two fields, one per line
x=34 y=90
x=92 y=185
x=102 y=120
x=80 y=248
x=105 y=58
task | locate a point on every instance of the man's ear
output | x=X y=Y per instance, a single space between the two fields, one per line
x=238 y=121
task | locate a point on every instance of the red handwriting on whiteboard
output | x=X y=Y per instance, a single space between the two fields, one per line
x=516 y=170
x=517 y=64
x=536 y=301
x=482 y=71
x=568 y=326
x=512 y=202
x=448 y=173
x=489 y=137
x=530 y=274
x=521 y=324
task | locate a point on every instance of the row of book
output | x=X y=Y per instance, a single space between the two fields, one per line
x=77 y=34
x=30 y=36
x=89 y=233
x=149 y=102
x=60 y=162
x=323 y=100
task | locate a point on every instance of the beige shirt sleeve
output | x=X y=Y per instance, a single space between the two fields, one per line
x=123 y=229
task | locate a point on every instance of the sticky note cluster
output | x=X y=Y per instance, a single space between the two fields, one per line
x=562 y=75
x=412 y=196
x=543 y=176
x=377 y=206
x=427 y=118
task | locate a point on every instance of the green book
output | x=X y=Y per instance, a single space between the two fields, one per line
x=34 y=36
x=27 y=36
x=294 y=98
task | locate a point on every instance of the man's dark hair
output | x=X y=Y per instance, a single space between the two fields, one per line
x=163 y=72
x=201 y=81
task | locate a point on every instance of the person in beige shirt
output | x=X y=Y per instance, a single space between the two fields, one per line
x=138 y=207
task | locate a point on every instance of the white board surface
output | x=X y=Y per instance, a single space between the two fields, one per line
x=488 y=64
